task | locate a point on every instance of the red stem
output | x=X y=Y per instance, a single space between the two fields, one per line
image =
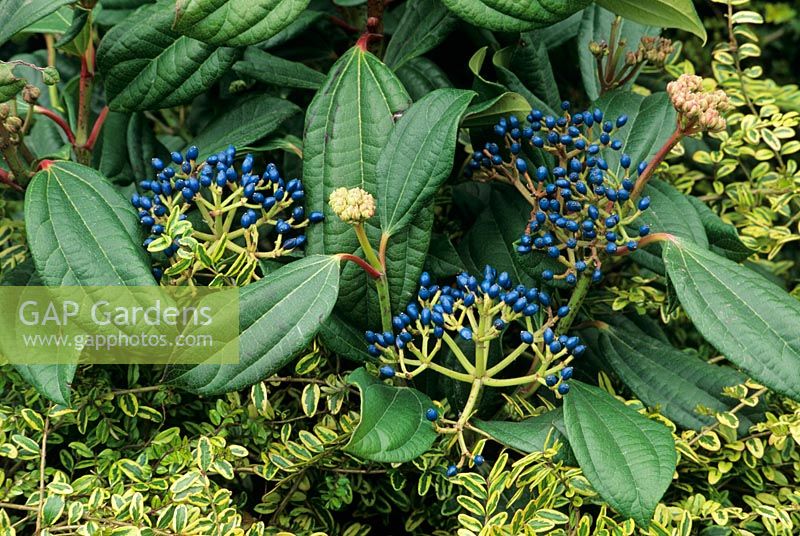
x=647 y=240
x=657 y=159
x=363 y=41
x=372 y=272
x=5 y=178
x=341 y=23
x=58 y=120
x=98 y=125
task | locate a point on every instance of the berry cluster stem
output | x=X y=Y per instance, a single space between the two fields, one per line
x=578 y=295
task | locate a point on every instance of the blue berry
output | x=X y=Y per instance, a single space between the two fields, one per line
x=452 y=471
x=621 y=120
x=563 y=311
x=563 y=389
x=644 y=230
x=526 y=337
x=611 y=248
x=566 y=373
x=192 y=153
x=478 y=460
x=644 y=203
x=551 y=380
x=157 y=164
x=466 y=334
x=431 y=414
x=386 y=371
x=522 y=166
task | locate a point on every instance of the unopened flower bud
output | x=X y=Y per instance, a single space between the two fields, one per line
x=50 y=76
x=31 y=94
x=598 y=48
x=5 y=110
x=696 y=106
x=353 y=205
x=13 y=124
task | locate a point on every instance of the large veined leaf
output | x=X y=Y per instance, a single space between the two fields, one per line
x=424 y=25
x=277 y=71
x=530 y=435
x=628 y=458
x=519 y=16
x=147 y=65
x=235 y=23
x=722 y=237
x=530 y=62
x=672 y=212
x=419 y=156
x=596 y=26
x=420 y=76
x=393 y=427
x=344 y=340
x=651 y=121
x=278 y=316
x=662 y=376
x=347 y=126
x=749 y=319
x=51 y=381
x=18 y=14
x=81 y=231
x=491 y=239
x=662 y=13
x=247 y=122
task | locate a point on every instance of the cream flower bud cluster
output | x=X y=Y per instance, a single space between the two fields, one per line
x=654 y=50
x=698 y=107
x=354 y=205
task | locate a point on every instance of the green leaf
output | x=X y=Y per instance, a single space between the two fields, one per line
x=18 y=14
x=530 y=435
x=111 y=152
x=247 y=122
x=235 y=23
x=347 y=126
x=661 y=13
x=147 y=65
x=278 y=317
x=51 y=381
x=443 y=260
x=295 y=28
x=651 y=121
x=393 y=427
x=664 y=377
x=672 y=212
x=596 y=26
x=530 y=62
x=628 y=458
x=10 y=84
x=344 y=340
x=491 y=239
x=519 y=16
x=143 y=145
x=722 y=237
x=749 y=319
x=488 y=112
x=53 y=509
x=419 y=156
x=509 y=72
x=81 y=231
x=276 y=71
x=424 y=25
x=420 y=76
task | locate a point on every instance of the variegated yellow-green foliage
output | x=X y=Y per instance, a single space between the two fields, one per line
x=749 y=172
x=152 y=461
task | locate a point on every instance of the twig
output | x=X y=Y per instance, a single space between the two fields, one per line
x=98 y=125
x=735 y=409
x=6 y=179
x=42 y=467
x=12 y=506
x=58 y=120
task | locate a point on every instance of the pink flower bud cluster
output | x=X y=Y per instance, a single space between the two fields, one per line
x=698 y=109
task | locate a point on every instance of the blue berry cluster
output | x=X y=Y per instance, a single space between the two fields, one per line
x=255 y=209
x=454 y=310
x=581 y=208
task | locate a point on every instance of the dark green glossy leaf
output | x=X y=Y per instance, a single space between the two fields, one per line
x=425 y=24
x=81 y=231
x=18 y=14
x=419 y=156
x=420 y=76
x=504 y=16
x=235 y=23
x=301 y=24
x=651 y=121
x=247 y=122
x=344 y=340
x=443 y=260
x=662 y=13
x=750 y=320
x=393 y=427
x=147 y=65
x=276 y=71
x=722 y=237
x=596 y=26
x=628 y=458
x=671 y=212
x=662 y=376
x=530 y=435
x=111 y=152
x=347 y=126
x=143 y=146
x=278 y=317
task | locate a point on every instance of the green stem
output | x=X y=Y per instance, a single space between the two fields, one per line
x=510 y=358
x=511 y=382
x=578 y=295
x=382 y=283
x=474 y=395
x=458 y=353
